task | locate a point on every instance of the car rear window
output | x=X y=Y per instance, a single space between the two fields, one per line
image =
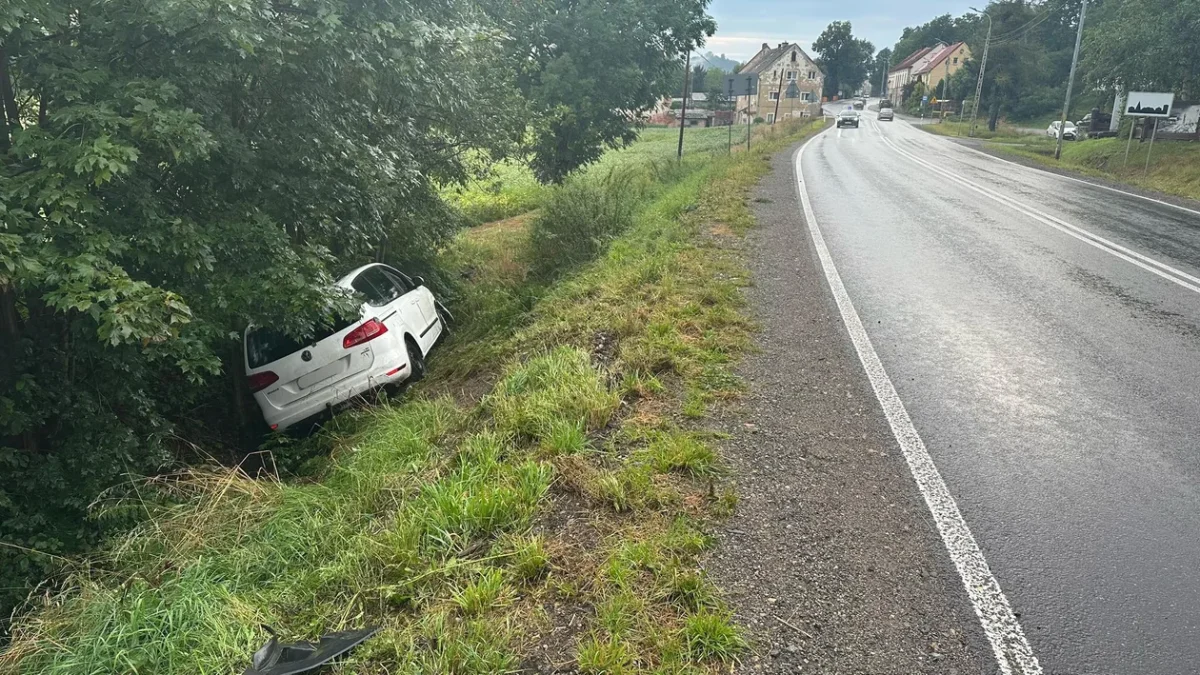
x=266 y=345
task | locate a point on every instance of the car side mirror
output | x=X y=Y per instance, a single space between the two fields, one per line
x=420 y=281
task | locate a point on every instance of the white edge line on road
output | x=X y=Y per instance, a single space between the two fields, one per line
x=1064 y=177
x=1147 y=263
x=1013 y=653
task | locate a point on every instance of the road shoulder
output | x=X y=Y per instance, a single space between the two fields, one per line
x=832 y=561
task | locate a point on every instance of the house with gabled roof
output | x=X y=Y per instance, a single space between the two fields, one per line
x=778 y=69
x=901 y=73
x=942 y=62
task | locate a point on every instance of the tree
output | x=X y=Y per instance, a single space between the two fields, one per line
x=879 y=70
x=578 y=108
x=843 y=58
x=715 y=79
x=698 y=82
x=1150 y=44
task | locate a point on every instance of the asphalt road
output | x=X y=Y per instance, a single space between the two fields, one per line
x=1053 y=377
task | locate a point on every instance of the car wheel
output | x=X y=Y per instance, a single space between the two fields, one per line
x=416 y=361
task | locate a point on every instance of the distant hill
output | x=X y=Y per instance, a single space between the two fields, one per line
x=710 y=60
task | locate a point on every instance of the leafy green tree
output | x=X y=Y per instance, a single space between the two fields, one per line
x=1149 y=44
x=591 y=68
x=879 y=70
x=174 y=170
x=843 y=58
x=715 y=89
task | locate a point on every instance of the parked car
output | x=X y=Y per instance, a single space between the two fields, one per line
x=1070 y=132
x=886 y=114
x=848 y=118
x=387 y=344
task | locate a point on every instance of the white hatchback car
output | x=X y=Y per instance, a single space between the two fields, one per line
x=398 y=325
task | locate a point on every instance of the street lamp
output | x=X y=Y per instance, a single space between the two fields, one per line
x=982 y=67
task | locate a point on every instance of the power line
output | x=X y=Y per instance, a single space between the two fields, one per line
x=1019 y=33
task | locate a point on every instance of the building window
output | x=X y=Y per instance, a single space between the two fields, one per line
x=774 y=96
x=812 y=74
x=806 y=96
x=770 y=118
x=956 y=60
x=793 y=57
x=791 y=76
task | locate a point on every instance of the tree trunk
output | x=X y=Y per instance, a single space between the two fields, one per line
x=994 y=116
x=12 y=114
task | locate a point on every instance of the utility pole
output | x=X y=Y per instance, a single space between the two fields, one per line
x=749 y=119
x=883 y=83
x=778 y=94
x=946 y=87
x=732 y=117
x=687 y=76
x=1070 y=83
x=982 y=69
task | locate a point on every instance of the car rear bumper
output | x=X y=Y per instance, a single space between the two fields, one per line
x=330 y=397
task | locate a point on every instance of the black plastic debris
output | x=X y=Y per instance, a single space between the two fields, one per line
x=274 y=658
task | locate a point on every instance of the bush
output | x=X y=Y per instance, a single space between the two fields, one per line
x=579 y=219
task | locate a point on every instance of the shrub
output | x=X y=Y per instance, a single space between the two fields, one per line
x=579 y=220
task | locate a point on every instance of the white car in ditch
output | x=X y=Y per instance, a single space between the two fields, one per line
x=399 y=323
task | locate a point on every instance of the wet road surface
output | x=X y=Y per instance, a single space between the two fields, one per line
x=1044 y=336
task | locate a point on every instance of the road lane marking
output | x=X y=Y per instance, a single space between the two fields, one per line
x=1000 y=625
x=1072 y=178
x=1147 y=263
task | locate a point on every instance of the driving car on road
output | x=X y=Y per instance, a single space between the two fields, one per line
x=886 y=113
x=848 y=118
x=398 y=324
x=1070 y=132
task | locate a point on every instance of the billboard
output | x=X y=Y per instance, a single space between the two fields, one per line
x=1148 y=104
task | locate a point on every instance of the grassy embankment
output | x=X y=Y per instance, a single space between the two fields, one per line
x=1174 y=165
x=551 y=520
x=1003 y=130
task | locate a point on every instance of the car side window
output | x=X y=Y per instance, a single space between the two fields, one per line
x=402 y=282
x=379 y=289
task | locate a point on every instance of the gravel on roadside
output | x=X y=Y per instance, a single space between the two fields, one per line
x=831 y=561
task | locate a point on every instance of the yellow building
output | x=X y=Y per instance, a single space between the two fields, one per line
x=942 y=63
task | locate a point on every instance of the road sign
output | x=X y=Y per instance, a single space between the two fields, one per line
x=924 y=99
x=793 y=91
x=741 y=84
x=1148 y=104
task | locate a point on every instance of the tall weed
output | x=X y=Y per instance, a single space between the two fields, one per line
x=579 y=220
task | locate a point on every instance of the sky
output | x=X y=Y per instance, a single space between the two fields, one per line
x=743 y=25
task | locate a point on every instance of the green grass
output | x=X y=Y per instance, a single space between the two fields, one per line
x=1174 y=167
x=571 y=476
x=962 y=129
x=501 y=190
x=505 y=189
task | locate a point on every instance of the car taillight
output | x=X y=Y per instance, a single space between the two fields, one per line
x=260 y=381
x=364 y=333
